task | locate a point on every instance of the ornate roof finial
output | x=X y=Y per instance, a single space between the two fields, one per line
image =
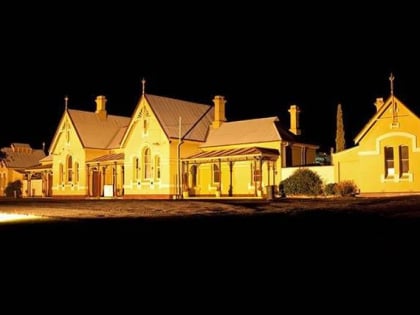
x=391 y=80
x=66 y=102
x=143 y=84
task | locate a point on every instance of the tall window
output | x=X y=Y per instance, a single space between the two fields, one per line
x=76 y=172
x=389 y=162
x=60 y=173
x=145 y=126
x=403 y=159
x=157 y=167
x=215 y=174
x=147 y=164
x=69 y=168
x=135 y=168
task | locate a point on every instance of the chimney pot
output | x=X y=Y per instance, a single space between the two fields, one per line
x=294 y=111
x=219 y=111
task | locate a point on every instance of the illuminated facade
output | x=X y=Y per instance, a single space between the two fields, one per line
x=17 y=158
x=169 y=148
x=386 y=155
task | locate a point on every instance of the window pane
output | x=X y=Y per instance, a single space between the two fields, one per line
x=404 y=159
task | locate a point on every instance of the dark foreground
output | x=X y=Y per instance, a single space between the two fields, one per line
x=240 y=239
x=212 y=261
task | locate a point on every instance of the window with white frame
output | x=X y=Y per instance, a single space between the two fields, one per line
x=69 y=167
x=389 y=161
x=157 y=167
x=404 y=160
x=147 y=163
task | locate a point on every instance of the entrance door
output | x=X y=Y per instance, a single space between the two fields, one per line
x=96 y=183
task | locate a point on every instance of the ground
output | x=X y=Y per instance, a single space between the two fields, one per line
x=394 y=206
x=219 y=244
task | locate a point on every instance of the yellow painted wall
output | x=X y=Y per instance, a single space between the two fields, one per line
x=365 y=164
x=7 y=176
x=167 y=149
x=69 y=144
x=137 y=141
x=34 y=189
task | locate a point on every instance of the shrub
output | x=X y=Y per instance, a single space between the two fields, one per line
x=302 y=182
x=346 y=188
x=13 y=187
x=330 y=189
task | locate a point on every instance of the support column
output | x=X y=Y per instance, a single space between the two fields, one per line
x=230 y=178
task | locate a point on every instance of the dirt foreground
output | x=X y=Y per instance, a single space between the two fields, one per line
x=396 y=206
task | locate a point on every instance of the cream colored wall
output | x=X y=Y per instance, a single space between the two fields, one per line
x=166 y=149
x=136 y=142
x=365 y=164
x=62 y=149
x=34 y=189
x=8 y=176
x=242 y=181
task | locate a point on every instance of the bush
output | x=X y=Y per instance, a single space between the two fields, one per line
x=330 y=189
x=346 y=188
x=14 y=189
x=302 y=182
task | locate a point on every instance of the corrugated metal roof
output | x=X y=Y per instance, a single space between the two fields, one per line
x=97 y=133
x=22 y=159
x=252 y=151
x=108 y=157
x=48 y=158
x=195 y=118
x=248 y=131
x=40 y=167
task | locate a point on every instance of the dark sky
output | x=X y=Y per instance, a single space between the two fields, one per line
x=261 y=58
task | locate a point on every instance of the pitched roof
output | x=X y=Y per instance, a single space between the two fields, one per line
x=377 y=115
x=195 y=118
x=108 y=157
x=97 y=133
x=248 y=131
x=20 y=159
x=232 y=153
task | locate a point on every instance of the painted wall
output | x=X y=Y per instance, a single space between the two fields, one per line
x=68 y=144
x=365 y=164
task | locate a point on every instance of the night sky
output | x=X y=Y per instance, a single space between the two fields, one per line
x=261 y=58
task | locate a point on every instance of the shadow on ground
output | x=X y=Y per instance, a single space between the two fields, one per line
x=239 y=239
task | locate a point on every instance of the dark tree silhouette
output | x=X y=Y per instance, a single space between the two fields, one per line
x=340 y=141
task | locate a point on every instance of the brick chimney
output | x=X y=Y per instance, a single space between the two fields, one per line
x=379 y=103
x=219 y=111
x=100 y=107
x=294 y=111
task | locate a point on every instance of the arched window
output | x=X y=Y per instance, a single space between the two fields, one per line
x=76 y=172
x=136 y=168
x=147 y=164
x=69 y=168
x=157 y=167
x=60 y=173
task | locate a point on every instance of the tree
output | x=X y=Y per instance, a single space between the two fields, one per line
x=340 y=141
x=14 y=189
